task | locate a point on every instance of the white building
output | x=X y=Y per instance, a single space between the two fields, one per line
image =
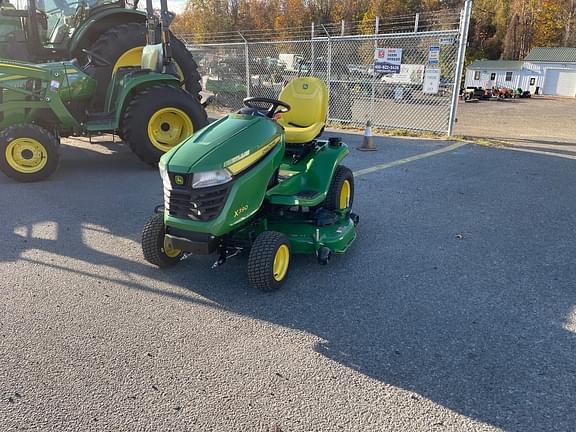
x=549 y=71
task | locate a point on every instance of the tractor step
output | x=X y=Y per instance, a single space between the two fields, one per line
x=99 y=122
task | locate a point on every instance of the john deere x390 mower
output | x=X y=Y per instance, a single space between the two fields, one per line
x=145 y=105
x=259 y=180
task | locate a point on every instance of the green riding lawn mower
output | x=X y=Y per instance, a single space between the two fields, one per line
x=145 y=104
x=257 y=180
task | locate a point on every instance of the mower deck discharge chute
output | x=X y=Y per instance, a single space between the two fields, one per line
x=250 y=182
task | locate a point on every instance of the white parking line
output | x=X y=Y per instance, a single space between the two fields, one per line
x=541 y=152
x=409 y=159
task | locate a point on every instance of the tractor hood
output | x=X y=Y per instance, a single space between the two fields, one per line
x=234 y=142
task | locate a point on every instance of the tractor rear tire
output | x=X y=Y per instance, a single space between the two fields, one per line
x=158 y=118
x=117 y=41
x=156 y=251
x=341 y=192
x=269 y=261
x=28 y=152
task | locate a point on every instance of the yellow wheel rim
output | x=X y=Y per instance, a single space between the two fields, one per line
x=169 y=127
x=133 y=57
x=281 y=261
x=169 y=251
x=345 y=192
x=26 y=155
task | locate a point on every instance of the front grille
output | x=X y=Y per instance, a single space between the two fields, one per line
x=202 y=204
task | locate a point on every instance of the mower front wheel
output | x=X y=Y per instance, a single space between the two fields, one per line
x=28 y=152
x=268 y=261
x=155 y=248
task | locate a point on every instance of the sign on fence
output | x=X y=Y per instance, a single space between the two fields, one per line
x=387 y=60
x=434 y=55
x=431 y=80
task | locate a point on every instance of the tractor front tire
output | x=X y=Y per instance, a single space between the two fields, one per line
x=122 y=46
x=268 y=261
x=159 y=118
x=341 y=192
x=154 y=246
x=28 y=152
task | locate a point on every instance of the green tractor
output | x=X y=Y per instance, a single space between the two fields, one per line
x=257 y=180
x=144 y=104
x=59 y=30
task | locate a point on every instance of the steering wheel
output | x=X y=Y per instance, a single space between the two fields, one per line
x=275 y=103
x=93 y=56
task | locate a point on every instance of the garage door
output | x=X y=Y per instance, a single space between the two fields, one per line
x=560 y=82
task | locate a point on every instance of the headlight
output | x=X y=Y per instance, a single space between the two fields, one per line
x=210 y=178
x=165 y=178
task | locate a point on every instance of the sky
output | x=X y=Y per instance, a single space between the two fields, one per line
x=176 y=6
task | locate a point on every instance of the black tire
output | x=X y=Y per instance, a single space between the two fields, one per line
x=341 y=175
x=116 y=41
x=48 y=154
x=261 y=261
x=141 y=109
x=153 y=243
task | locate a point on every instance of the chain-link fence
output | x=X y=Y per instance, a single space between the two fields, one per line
x=416 y=90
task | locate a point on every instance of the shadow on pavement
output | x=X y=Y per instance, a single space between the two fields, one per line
x=475 y=323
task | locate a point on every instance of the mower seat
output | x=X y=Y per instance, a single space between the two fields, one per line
x=308 y=99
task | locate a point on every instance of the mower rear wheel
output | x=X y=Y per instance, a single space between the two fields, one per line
x=341 y=192
x=28 y=152
x=159 y=118
x=269 y=261
x=155 y=248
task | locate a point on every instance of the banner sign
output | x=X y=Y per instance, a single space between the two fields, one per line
x=431 y=80
x=387 y=60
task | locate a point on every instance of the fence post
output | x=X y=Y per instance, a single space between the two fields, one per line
x=464 y=26
x=373 y=96
x=343 y=28
x=246 y=54
x=312 y=53
x=416 y=22
x=329 y=62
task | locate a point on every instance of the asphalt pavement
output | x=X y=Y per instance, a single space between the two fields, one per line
x=455 y=310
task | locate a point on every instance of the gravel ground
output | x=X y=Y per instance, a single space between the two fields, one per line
x=455 y=310
x=539 y=120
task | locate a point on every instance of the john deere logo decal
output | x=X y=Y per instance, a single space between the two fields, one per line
x=179 y=180
x=305 y=86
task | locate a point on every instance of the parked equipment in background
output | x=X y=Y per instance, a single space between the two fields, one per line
x=257 y=180
x=145 y=105
x=61 y=30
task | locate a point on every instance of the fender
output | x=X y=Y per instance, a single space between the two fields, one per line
x=120 y=92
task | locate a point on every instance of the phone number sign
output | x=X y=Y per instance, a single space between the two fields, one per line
x=387 y=60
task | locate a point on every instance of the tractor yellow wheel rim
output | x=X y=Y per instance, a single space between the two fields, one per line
x=281 y=261
x=26 y=155
x=133 y=57
x=345 y=192
x=169 y=127
x=169 y=250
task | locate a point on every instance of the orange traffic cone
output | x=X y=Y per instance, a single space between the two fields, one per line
x=367 y=142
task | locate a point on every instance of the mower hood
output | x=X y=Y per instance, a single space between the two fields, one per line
x=236 y=140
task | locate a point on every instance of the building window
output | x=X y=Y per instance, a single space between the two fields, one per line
x=508 y=76
x=493 y=76
x=476 y=75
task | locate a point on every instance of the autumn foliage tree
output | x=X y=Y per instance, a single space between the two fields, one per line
x=499 y=28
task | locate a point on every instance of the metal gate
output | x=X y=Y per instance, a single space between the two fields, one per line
x=418 y=92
